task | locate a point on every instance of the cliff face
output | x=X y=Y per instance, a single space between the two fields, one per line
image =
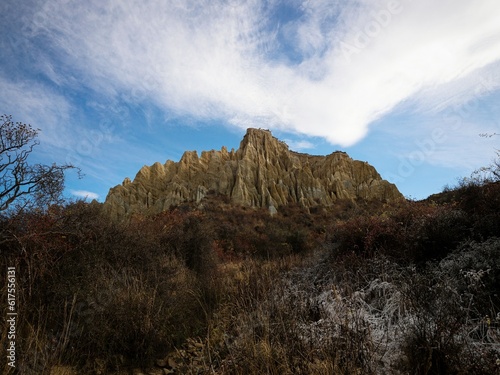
x=263 y=172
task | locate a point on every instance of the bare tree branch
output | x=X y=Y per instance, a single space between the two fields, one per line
x=20 y=182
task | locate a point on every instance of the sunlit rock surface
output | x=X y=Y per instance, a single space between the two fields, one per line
x=263 y=172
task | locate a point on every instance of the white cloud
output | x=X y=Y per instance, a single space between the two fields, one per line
x=356 y=60
x=84 y=194
x=462 y=149
x=451 y=144
x=33 y=103
x=299 y=145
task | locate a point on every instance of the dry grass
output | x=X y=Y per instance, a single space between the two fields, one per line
x=234 y=291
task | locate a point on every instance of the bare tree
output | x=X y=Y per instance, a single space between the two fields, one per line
x=491 y=173
x=22 y=183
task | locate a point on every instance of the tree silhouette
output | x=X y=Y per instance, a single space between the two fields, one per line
x=491 y=173
x=22 y=183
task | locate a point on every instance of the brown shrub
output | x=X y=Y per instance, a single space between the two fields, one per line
x=412 y=232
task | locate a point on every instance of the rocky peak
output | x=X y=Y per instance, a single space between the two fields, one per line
x=263 y=172
x=260 y=141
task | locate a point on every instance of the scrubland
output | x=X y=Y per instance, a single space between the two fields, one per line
x=358 y=288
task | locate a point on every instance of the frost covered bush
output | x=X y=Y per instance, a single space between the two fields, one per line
x=475 y=267
x=454 y=304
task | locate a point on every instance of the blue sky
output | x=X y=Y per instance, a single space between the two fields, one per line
x=114 y=85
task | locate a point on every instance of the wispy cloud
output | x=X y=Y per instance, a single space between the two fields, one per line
x=299 y=145
x=85 y=194
x=329 y=70
x=448 y=145
x=33 y=103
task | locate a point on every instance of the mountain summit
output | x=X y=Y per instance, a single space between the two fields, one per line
x=263 y=172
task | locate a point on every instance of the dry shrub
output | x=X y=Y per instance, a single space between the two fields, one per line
x=394 y=289
x=475 y=267
x=413 y=232
x=272 y=323
x=133 y=320
x=93 y=290
x=479 y=198
x=432 y=338
x=366 y=236
x=255 y=330
x=452 y=303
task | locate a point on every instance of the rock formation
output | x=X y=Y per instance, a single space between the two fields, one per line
x=263 y=172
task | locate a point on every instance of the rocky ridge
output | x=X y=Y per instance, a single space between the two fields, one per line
x=263 y=172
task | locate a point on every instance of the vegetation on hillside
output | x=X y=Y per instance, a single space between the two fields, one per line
x=361 y=287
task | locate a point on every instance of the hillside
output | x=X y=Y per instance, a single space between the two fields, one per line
x=263 y=172
x=366 y=286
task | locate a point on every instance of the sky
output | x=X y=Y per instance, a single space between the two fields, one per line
x=406 y=85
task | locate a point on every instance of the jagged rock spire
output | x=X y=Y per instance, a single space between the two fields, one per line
x=263 y=172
